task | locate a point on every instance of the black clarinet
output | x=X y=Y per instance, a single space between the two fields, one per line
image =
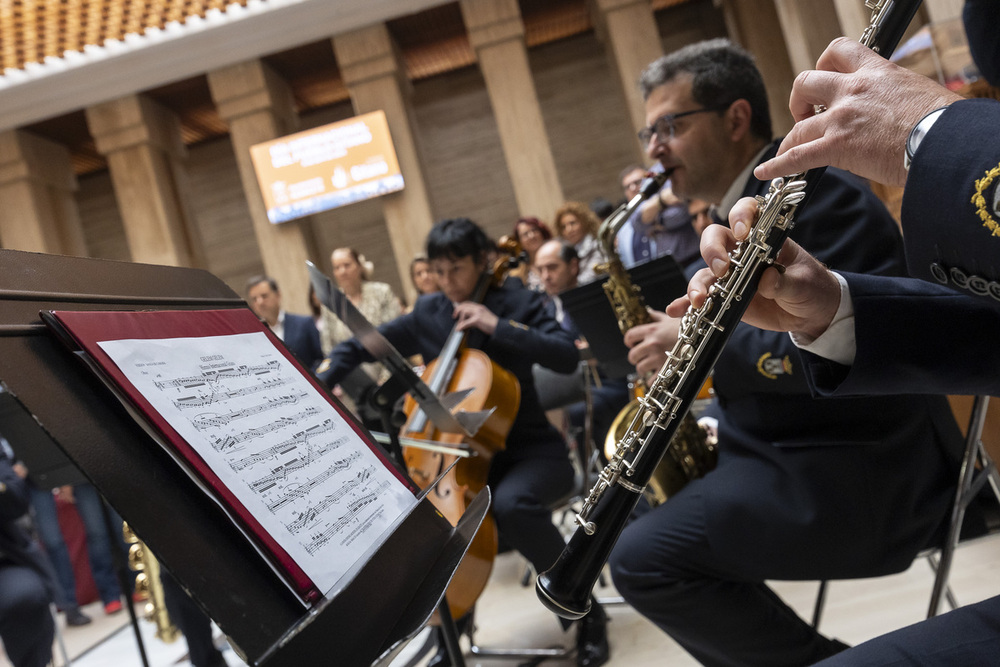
x=566 y=588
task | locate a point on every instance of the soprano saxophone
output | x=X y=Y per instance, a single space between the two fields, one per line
x=566 y=587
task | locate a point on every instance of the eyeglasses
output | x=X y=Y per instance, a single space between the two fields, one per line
x=665 y=126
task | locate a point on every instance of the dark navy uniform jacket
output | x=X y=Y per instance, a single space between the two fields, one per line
x=932 y=337
x=951 y=205
x=526 y=334
x=876 y=473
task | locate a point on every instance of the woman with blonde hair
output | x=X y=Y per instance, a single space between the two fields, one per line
x=376 y=301
x=576 y=224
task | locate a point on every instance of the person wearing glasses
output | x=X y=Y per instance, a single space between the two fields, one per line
x=660 y=226
x=805 y=488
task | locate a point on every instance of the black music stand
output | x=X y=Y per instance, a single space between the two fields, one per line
x=391 y=595
x=660 y=281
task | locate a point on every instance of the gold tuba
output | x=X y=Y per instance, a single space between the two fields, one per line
x=691 y=453
x=148 y=586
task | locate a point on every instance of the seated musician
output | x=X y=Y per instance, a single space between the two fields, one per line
x=558 y=266
x=805 y=488
x=513 y=328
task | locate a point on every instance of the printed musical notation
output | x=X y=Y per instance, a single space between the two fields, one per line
x=287 y=454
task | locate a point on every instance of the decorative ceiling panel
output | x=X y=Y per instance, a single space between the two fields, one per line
x=33 y=30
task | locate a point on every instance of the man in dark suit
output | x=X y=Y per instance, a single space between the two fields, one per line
x=512 y=327
x=849 y=325
x=298 y=332
x=557 y=265
x=804 y=488
x=27 y=582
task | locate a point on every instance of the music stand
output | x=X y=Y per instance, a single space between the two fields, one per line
x=391 y=595
x=660 y=281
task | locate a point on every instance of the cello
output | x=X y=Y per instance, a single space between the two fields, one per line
x=490 y=388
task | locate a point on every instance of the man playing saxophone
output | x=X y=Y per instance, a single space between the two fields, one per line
x=804 y=488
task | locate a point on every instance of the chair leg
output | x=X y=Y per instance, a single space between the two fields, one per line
x=962 y=496
x=949 y=596
x=820 y=602
x=59 y=641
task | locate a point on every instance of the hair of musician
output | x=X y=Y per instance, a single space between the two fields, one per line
x=256 y=280
x=582 y=212
x=721 y=73
x=567 y=251
x=455 y=238
x=534 y=223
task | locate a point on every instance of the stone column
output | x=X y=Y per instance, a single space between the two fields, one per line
x=373 y=71
x=36 y=196
x=754 y=24
x=141 y=140
x=628 y=28
x=497 y=35
x=808 y=26
x=257 y=105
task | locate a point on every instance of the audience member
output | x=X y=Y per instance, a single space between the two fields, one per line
x=660 y=226
x=424 y=280
x=374 y=300
x=578 y=225
x=530 y=233
x=298 y=332
x=90 y=507
x=701 y=215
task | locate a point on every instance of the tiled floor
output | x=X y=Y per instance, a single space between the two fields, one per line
x=508 y=615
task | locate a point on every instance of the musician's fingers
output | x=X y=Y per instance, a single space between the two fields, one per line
x=698 y=287
x=742 y=216
x=800 y=152
x=813 y=88
x=678 y=306
x=637 y=334
x=845 y=55
x=647 y=358
x=716 y=242
x=770 y=282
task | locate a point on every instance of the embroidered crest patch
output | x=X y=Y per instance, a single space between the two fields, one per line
x=987 y=200
x=771 y=367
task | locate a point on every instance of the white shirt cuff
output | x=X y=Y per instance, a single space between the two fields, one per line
x=837 y=343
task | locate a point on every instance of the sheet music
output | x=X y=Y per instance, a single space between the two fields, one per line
x=280 y=447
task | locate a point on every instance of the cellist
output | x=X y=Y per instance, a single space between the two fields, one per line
x=512 y=327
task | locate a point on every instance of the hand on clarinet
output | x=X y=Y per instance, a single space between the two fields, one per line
x=801 y=295
x=871 y=106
